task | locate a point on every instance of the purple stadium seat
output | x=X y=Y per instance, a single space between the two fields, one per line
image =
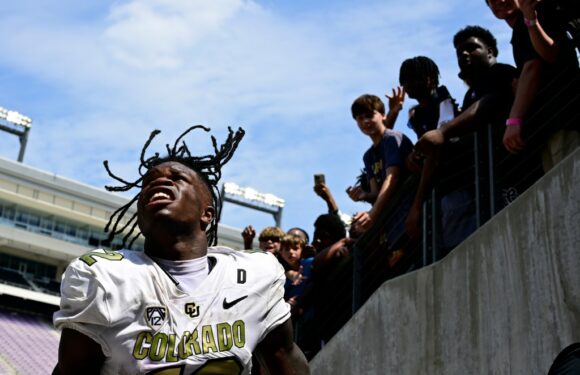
x=28 y=344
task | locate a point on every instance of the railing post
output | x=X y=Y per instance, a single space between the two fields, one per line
x=357 y=263
x=481 y=187
x=491 y=171
x=427 y=245
x=435 y=225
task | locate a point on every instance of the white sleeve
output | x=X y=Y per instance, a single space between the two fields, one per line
x=446 y=112
x=277 y=310
x=83 y=303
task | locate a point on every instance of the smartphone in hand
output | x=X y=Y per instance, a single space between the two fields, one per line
x=319 y=179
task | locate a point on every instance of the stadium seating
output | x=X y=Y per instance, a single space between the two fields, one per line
x=28 y=344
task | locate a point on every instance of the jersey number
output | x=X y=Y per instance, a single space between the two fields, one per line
x=90 y=257
x=220 y=366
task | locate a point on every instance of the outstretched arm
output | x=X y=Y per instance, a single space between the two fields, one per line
x=483 y=111
x=78 y=354
x=365 y=220
x=337 y=249
x=280 y=355
x=324 y=192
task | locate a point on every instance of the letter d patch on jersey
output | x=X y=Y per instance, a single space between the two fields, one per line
x=155 y=316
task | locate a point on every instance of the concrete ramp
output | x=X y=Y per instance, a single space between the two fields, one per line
x=504 y=302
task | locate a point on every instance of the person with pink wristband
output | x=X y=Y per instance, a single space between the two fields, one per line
x=545 y=101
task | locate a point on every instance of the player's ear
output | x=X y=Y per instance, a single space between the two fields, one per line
x=207 y=216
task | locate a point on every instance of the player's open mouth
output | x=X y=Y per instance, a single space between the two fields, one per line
x=159 y=196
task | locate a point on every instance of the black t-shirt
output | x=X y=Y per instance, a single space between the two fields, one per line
x=498 y=80
x=456 y=159
x=497 y=85
x=426 y=118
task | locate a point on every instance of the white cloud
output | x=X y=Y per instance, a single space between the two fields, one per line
x=154 y=34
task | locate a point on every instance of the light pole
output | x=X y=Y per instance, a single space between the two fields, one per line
x=14 y=123
x=251 y=198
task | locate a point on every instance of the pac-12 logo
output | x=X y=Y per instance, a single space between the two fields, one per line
x=155 y=316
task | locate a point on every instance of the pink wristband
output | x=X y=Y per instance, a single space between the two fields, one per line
x=530 y=23
x=515 y=121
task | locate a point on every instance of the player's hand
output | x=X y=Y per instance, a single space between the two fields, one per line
x=356 y=193
x=512 y=139
x=396 y=99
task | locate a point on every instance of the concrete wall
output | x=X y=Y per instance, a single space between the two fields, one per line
x=504 y=302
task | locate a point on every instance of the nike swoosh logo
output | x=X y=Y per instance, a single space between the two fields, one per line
x=227 y=304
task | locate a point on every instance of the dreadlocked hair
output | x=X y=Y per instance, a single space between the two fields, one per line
x=207 y=167
x=419 y=68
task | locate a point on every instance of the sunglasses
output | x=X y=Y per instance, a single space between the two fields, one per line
x=266 y=239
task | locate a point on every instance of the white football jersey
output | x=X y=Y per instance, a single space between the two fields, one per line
x=146 y=324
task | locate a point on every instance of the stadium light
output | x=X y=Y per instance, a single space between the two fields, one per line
x=253 y=195
x=251 y=198
x=15 y=123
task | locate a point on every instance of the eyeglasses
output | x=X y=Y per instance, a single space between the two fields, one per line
x=266 y=239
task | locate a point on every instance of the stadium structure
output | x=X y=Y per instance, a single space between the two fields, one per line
x=46 y=221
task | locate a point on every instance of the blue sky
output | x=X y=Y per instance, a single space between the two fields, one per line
x=96 y=76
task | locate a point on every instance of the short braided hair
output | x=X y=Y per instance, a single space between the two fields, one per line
x=419 y=68
x=207 y=167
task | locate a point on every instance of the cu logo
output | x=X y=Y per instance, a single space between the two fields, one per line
x=192 y=309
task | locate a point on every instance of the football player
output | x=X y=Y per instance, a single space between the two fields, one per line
x=179 y=307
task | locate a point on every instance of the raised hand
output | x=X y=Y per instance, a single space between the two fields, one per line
x=396 y=99
x=322 y=190
x=248 y=235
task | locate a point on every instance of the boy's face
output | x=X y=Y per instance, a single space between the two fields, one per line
x=503 y=9
x=270 y=244
x=370 y=123
x=474 y=56
x=291 y=253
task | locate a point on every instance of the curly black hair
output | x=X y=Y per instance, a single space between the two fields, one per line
x=477 y=32
x=207 y=167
